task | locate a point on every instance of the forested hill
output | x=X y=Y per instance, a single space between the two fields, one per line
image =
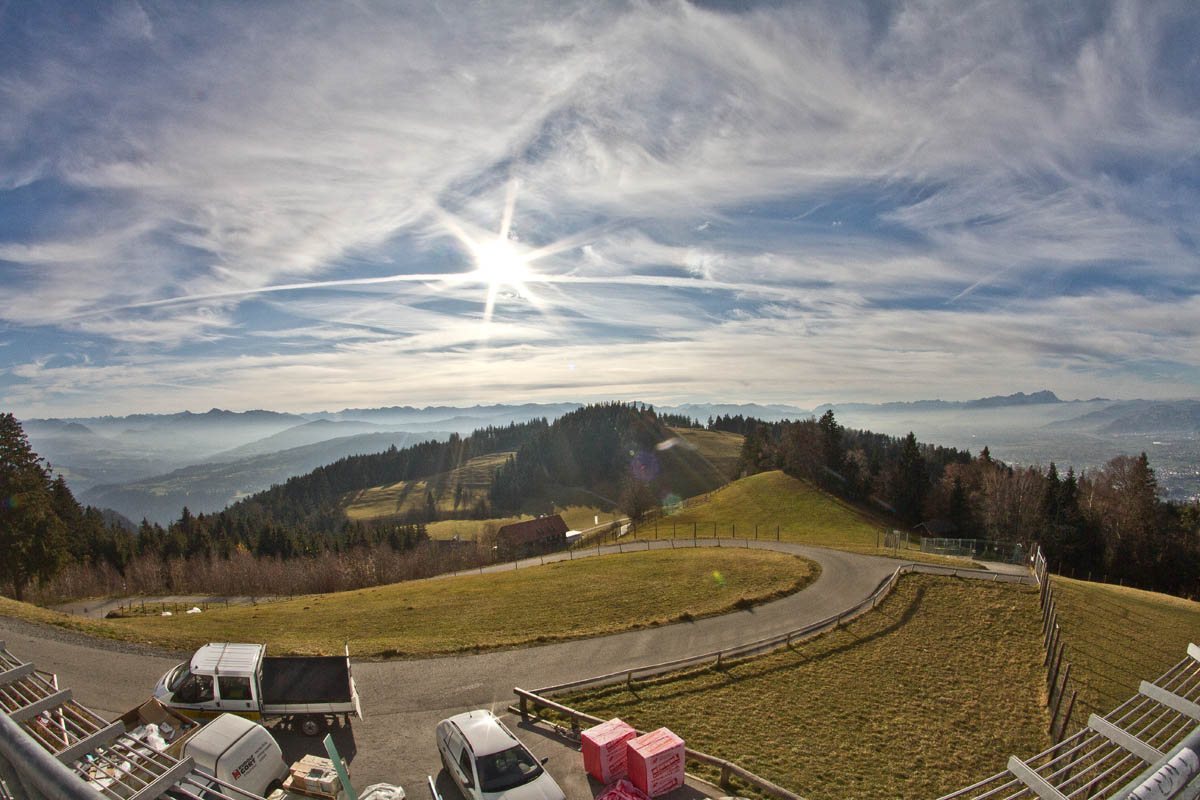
x=614 y=450
x=621 y=452
x=313 y=501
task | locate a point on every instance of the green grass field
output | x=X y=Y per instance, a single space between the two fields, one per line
x=474 y=477
x=772 y=500
x=931 y=692
x=1117 y=637
x=480 y=612
x=576 y=517
x=721 y=449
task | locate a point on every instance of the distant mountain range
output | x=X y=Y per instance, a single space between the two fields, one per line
x=209 y=487
x=1139 y=416
x=997 y=401
x=153 y=464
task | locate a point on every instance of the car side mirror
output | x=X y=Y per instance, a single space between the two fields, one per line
x=544 y=760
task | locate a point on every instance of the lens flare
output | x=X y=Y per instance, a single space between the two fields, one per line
x=645 y=466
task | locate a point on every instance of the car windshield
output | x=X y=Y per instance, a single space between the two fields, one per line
x=176 y=676
x=506 y=769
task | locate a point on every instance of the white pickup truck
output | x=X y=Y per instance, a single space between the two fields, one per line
x=307 y=692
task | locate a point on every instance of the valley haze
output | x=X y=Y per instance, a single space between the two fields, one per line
x=152 y=465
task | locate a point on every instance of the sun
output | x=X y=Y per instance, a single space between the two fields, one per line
x=498 y=263
x=501 y=260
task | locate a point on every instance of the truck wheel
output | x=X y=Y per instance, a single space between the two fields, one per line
x=311 y=726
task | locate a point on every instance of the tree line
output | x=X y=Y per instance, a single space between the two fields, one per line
x=46 y=535
x=67 y=550
x=591 y=447
x=1106 y=524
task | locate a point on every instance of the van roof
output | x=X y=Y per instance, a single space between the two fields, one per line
x=226 y=658
x=217 y=737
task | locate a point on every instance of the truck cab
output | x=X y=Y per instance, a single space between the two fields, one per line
x=308 y=692
x=219 y=678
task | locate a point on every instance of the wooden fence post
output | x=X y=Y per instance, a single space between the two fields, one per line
x=1066 y=720
x=1058 y=701
x=1052 y=676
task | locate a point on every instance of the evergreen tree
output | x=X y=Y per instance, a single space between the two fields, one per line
x=32 y=537
x=960 y=510
x=912 y=482
x=831 y=442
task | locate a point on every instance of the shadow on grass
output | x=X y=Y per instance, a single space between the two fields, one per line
x=910 y=610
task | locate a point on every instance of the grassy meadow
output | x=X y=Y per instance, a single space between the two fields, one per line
x=1117 y=637
x=576 y=517
x=721 y=449
x=455 y=489
x=771 y=501
x=480 y=612
x=900 y=702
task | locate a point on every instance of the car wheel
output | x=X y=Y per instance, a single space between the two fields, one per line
x=311 y=726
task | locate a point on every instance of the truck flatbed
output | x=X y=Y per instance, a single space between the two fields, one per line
x=305 y=680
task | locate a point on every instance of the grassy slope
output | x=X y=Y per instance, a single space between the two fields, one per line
x=769 y=499
x=577 y=517
x=475 y=476
x=710 y=462
x=720 y=449
x=1116 y=637
x=901 y=702
x=478 y=612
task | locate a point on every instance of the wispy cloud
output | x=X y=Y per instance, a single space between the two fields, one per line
x=807 y=199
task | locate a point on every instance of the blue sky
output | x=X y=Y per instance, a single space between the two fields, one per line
x=295 y=205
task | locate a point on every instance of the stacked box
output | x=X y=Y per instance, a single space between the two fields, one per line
x=604 y=749
x=314 y=775
x=655 y=762
x=622 y=790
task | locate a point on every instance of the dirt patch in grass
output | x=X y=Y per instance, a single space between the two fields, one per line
x=1116 y=638
x=486 y=612
x=931 y=692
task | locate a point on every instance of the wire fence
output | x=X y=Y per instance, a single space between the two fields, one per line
x=1143 y=749
x=1055 y=647
x=983 y=549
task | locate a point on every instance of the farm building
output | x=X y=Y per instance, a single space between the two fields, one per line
x=532 y=537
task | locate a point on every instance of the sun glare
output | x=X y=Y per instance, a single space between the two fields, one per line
x=498 y=263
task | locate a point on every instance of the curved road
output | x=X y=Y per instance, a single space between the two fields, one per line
x=403 y=700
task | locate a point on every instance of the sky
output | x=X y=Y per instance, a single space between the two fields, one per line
x=300 y=206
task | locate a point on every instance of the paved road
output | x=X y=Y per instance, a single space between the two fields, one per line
x=403 y=700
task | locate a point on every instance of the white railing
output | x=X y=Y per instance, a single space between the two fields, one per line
x=1143 y=747
x=62 y=750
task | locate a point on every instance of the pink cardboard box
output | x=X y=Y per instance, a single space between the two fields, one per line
x=622 y=790
x=604 y=749
x=655 y=762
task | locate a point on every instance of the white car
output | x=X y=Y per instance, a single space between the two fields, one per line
x=488 y=763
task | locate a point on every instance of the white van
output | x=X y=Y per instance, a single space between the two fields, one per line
x=238 y=752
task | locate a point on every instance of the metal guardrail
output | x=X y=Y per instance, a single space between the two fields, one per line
x=728 y=768
x=539 y=699
x=782 y=639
